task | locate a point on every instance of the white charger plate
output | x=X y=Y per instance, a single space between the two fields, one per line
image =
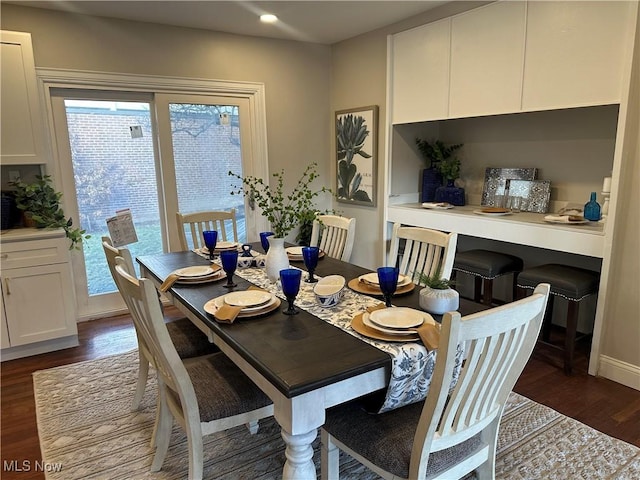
x=194 y=271
x=372 y=279
x=366 y=319
x=212 y=306
x=397 y=317
x=247 y=298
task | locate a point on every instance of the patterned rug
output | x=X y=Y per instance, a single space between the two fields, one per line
x=86 y=427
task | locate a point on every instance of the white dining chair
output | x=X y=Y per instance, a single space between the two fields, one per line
x=425 y=251
x=204 y=395
x=188 y=340
x=334 y=235
x=197 y=222
x=454 y=431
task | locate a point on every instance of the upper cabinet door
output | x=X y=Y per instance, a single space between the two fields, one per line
x=420 y=83
x=22 y=132
x=487 y=56
x=575 y=53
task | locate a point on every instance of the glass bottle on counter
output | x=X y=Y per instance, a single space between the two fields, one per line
x=592 y=209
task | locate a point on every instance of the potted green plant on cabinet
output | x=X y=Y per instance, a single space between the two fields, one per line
x=442 y=169
x=41 y=206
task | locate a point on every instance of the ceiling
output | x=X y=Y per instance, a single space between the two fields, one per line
x=325 y=22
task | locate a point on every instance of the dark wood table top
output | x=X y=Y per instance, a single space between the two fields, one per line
x=296 y=354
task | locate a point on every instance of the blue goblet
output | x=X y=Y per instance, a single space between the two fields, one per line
x=310 y=257
x=210 y=241
x=290 y=279
x=229 y=259
x=388 y=279
x=264 y=240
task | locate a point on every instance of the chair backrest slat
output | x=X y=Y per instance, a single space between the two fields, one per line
x=425 y=251
x=198 y=222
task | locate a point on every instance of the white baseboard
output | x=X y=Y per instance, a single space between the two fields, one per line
x=621 y=372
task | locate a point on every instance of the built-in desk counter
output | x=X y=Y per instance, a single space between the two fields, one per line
x=521 y=228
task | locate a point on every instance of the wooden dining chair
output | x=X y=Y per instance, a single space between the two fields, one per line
x=188 y=340
x=454 y=431
x=334 y=235
x=425 y=251
x=198 y=222
x=204 y=395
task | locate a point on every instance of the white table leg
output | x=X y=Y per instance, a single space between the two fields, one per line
x=299 y=464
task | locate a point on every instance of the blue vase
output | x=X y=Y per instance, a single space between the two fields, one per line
x=431 y=180
x=450 y=194
x=592 y=210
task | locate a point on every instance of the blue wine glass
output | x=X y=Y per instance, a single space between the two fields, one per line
x=290 y=279
x=210 y=241
x=264 y=240
x=388 y=279
x=310 y=257
x=229 y=260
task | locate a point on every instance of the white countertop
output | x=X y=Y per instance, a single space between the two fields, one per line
x=522 y=228
x=23 y=234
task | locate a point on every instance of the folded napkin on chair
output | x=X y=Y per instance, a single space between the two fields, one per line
x=428 y=333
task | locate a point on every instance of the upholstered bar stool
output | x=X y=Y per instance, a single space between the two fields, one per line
x=571 y=283
x=486 y=266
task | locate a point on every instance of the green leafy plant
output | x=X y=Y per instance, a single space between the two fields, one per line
x=284 y=211
x=440 y=156
x=351 y=135
x=434 y=281
x=41 y=203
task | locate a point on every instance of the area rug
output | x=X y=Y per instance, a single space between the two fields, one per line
x=87 y=428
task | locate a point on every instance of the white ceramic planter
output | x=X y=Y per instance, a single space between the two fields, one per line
x=439 y=301
x=277 y=258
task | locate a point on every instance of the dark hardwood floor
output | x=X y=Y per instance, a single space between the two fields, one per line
x=602 y=404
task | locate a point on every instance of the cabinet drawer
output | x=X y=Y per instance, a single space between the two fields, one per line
x=34 y=252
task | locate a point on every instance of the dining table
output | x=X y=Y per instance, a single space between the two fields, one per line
x=305 y=363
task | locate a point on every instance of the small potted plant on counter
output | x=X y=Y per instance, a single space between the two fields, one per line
x=41 y=206
x=442 y=169
x=437 y=296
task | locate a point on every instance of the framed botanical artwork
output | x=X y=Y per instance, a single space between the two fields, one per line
x=356 y=155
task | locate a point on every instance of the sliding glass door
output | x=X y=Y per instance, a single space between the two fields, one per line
x=153 y=154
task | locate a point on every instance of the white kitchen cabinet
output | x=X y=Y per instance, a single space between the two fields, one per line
x=37 y=293
x=420 y=69
x=487 y=55
x=575 y=53
x=22 y=132
x=4 y=332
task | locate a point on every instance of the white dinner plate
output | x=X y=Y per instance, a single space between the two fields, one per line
x=372 y=279
x=218 y=275
x=212 y=306
x=564 y=220
x=194 y=271
x=366 y=319
x=437 y=206
x=225 y=245
x=398 y=317
x=492 y=214
x=295 y=251
x=247 y=298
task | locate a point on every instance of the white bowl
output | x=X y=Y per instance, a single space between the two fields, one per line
x=330 y=290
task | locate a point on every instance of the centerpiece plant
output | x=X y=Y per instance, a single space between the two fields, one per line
x=41 y=205
x=437 y=296
x=285 y=211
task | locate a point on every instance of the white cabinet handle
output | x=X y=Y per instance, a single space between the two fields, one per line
x=7 y=286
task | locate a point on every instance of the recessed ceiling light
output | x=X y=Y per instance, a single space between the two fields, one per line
x=268 y=18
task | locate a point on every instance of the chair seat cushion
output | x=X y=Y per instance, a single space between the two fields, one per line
x=189 y=339
x=569 y=282
x=486 y=263
x=235 y=393
x=387 y=439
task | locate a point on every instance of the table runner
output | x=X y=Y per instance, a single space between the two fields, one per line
x=412 y=363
